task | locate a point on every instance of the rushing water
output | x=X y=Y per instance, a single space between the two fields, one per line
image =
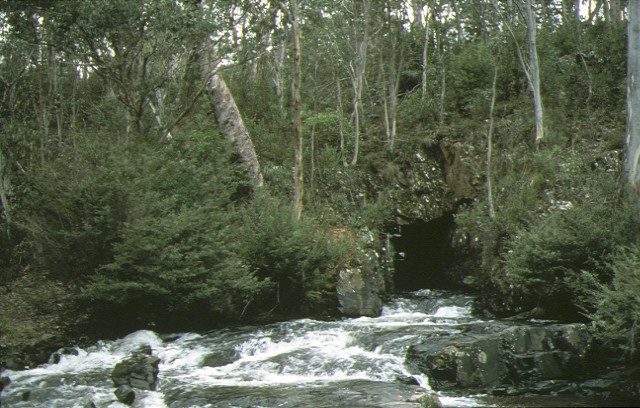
x=301 y=363
x=297 y=363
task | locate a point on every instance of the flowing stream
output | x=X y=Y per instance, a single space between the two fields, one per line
x=300 y=363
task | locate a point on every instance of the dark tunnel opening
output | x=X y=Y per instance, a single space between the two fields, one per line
x=423 y=253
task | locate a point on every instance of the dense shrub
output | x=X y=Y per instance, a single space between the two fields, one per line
x=175 y=255
x=71 y=209
x=557 y=214
x=617 y=307
x=543 y=262
x=172 y=264
x=300 y=259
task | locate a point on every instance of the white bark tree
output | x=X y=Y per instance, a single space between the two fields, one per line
x=232 y=127
x=633 y=96
x=4 y=188
x=531 y=67
x=357 y=73
x=490 y=207
x=391 y=63
x=534 y=72
x=297 y=118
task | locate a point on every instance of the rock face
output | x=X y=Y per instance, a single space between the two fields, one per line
x=504 y=356
x=139 y=370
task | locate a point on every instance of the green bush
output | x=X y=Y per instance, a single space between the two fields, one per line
x=71 y=210
x=617 y=306
x=172 y=264
x=299 y=258
x=556 y=215
x=175 y=255
x=543 y=262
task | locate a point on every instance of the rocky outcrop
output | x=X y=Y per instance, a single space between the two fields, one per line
x=139 y=370
x=493 y=357
x=460 y=169
x=362 y=282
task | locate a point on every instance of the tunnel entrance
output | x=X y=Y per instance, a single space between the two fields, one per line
x=422 y=254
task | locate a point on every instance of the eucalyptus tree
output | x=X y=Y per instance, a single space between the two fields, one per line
x=633 y=96
x=144 y=50
x=395 y=18
x=4 y=189
x=534 y=71
x=30 y=67
x=530 y=65
x=358 y=66
x=296 y=105
x=441 y=22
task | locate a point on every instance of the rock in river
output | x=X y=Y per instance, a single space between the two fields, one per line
x=485 y=359
x=139 y=370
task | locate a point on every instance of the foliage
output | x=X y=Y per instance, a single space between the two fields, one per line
x=469 y=75
x=300 y=259
x=614 y=306
x=74 y=204
x=544 y=261
x=556 y=220
x=172 y=264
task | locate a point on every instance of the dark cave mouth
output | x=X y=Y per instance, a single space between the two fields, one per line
x=422 y=254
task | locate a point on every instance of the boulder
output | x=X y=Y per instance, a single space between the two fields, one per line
x=4 y=381
x=61 y=352
x=139 y=370
x=125 y=394
x=358 y=293
x=429 y=400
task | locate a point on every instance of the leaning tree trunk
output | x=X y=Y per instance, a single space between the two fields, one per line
x=232 y=127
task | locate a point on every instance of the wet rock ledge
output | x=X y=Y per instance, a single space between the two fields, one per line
x=499 y=359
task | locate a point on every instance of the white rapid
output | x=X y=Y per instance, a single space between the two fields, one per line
x=300 y=363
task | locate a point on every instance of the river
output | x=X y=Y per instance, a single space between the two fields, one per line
x=301 y=363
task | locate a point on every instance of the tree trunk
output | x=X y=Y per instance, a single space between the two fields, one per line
x=396 y=55
x=4 y=188
x=633 y=96
x=456 y=10
x=358 y=80
x=297 y=118
x=339 y=113
x=490 y=209
x=425 y=49
x=277 y=76
x=443 y=87
x=232 y=127
x=535 y=73
x=531 y=69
